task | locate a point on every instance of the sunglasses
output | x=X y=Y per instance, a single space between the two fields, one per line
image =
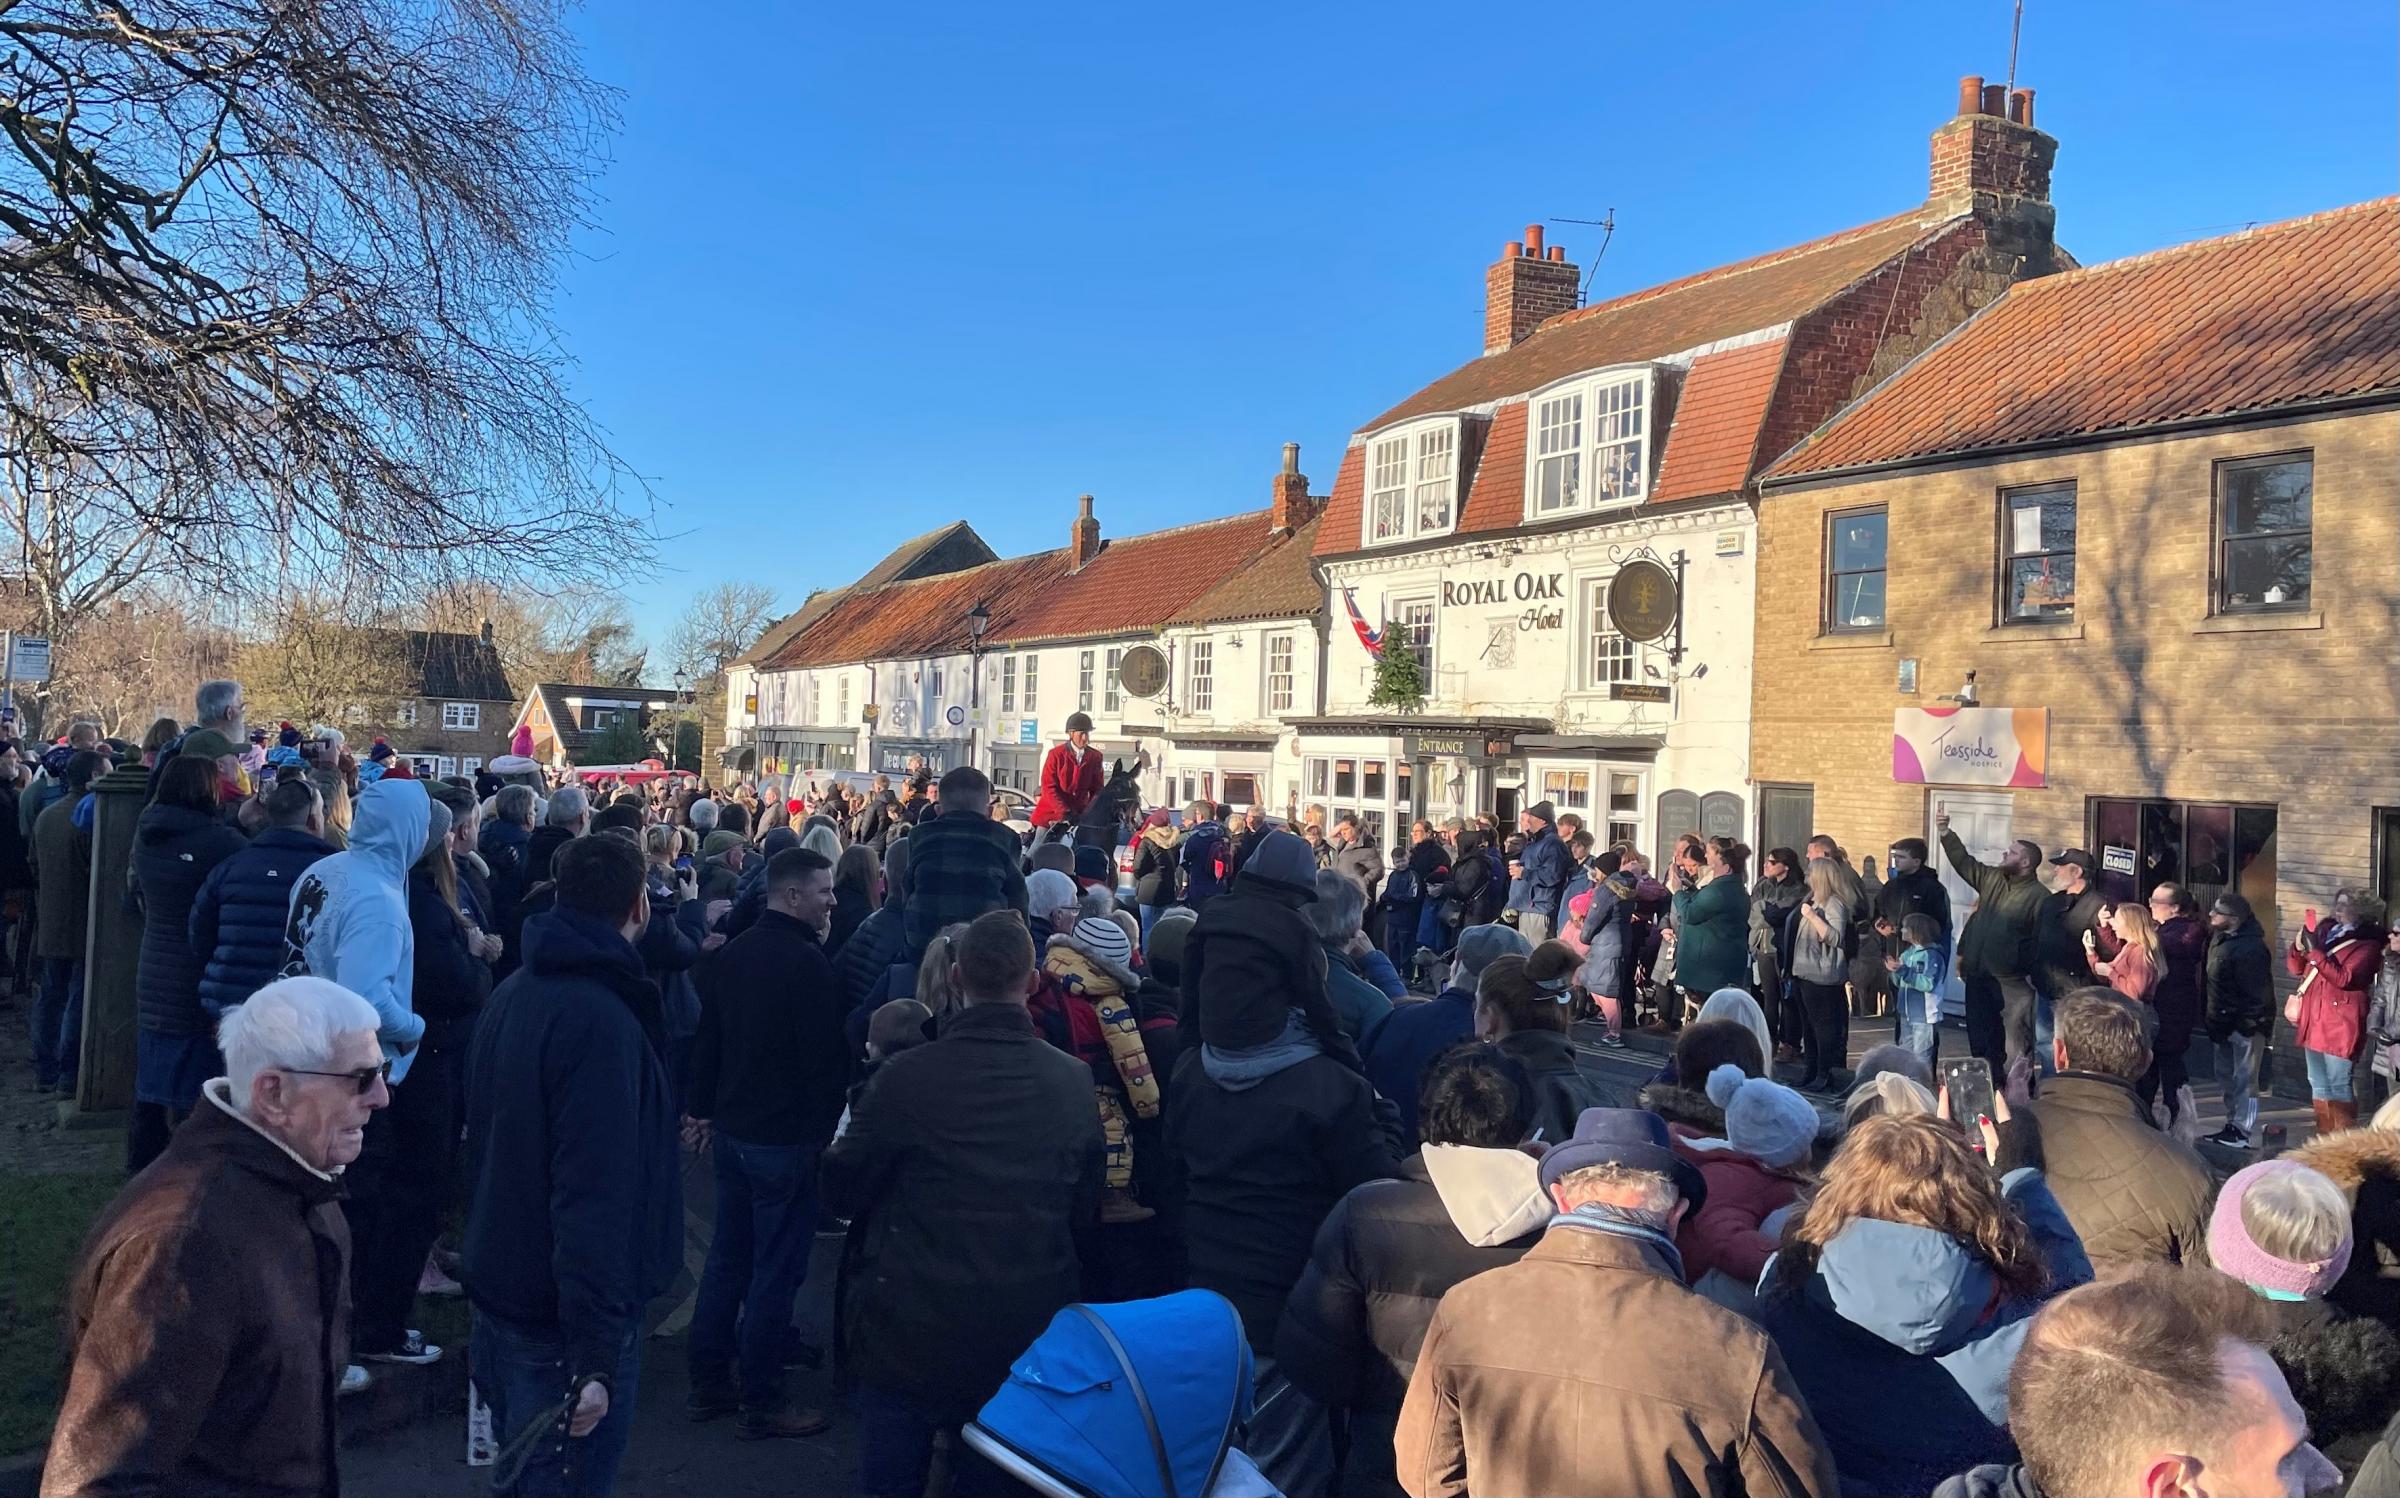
x=363 y=1080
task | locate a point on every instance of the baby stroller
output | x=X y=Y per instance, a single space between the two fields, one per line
x=1137 y=1399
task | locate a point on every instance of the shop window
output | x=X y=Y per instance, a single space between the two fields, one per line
x=1855 y=545
x=1201 y=677
x=1370 y=827
x=1008 y=683
x=1279 y=673
x=2037 y=566
x=1404 y=798
x=1241 y=789
x=1345 y=778
x=2209 y=847
x=1191 y=788
x=2264 y=512
x=1371 y=779
x=1083 y=682
x=1318 y=769
x=1110 y=701
x=1567 y=790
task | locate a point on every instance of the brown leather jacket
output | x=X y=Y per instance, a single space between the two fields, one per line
x=209 y=1325
x=1587 y=1367
x=2134 y=1194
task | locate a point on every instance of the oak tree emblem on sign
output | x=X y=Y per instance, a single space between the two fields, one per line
x=1642 y=601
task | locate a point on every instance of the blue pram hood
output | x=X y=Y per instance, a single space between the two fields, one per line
x=1069 y=1408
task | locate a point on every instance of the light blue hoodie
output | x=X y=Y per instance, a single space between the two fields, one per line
x=349 y=914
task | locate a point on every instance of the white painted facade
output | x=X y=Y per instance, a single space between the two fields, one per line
x=1520 y=648
x=1234 y=691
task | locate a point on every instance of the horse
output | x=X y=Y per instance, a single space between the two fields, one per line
x=1111 y=816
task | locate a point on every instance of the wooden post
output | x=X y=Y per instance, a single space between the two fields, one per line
x=111 y=954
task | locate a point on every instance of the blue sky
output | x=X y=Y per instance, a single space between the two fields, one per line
x=860 y=270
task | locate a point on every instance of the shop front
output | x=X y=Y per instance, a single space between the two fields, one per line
x=1236 y=769
x=785 y=750
x=1605 y=779
x=1388 y=772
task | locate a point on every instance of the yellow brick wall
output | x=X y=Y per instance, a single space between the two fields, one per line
x=2145 y=698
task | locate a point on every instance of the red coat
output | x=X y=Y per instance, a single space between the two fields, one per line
x=1068 y=784
x=2333 y=1012
x=1742 y=1193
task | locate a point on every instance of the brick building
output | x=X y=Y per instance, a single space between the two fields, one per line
x=566 y=719
x=457 y=718
x=1482 y=520
x=2099 y=502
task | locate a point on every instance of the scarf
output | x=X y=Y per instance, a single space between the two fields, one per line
x=1619 y=1222
x=1242 y=1069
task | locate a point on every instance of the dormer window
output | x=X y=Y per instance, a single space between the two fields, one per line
x=1412 y=482
x=1591 y=444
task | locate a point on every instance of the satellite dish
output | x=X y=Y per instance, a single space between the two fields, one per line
x=1143 y=671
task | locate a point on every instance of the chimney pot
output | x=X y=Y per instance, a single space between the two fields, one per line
x=1970 y=94
x=1291 y=457
x=1533 y=240
x=1995 y=98
x=1558 y=252
x=2020 y=107
x=1511 y=250
x=1291 y=507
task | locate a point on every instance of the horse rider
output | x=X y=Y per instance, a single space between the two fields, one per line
x=1071 y=776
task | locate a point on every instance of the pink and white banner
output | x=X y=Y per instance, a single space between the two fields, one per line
x=2007 y=747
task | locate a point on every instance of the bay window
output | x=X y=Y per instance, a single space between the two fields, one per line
x=1590 y=444
x=1412 y=482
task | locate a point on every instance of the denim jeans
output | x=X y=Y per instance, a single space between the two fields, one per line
x=1150 y=915
x=2237 y=1078
x=522 y=1374
x=58 y=1022
x=895 y=1444
x=1923 y=1037
x=2328 y=1076
x=766 y=1225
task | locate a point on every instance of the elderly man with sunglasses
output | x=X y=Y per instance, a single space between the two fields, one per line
x=209 y=1315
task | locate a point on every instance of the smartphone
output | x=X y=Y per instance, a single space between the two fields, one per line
x=1970 y=1084
x=2308 y=918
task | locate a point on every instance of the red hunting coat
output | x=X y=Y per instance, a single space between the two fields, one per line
x=1069 y=782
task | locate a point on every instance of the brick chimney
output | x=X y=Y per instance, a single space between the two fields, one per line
x=1525 y=287
x=1086 y=539
x=487 y=632
x=1293 y=507
x=1988 y=158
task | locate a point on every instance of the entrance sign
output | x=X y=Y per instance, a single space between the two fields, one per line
x=1642 y=601
x=1994 y=746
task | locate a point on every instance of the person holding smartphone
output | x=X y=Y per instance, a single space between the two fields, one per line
x=2336 y=962
x=1819 y=970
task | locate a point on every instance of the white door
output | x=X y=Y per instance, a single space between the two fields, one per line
x=1982 y=820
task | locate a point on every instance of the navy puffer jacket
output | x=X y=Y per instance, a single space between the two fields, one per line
x=238 y=918
x=175 y=849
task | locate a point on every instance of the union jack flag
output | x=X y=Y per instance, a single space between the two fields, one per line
x=1372 y=639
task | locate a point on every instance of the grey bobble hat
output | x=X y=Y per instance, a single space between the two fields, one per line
x=1480 y=946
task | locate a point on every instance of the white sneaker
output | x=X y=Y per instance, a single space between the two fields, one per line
x=413 y=1349
x=355 y=1380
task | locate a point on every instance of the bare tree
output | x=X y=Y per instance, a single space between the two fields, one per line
x=273 y=295
x=718 y=624
x=317 y=664
x=576 y=633
x=137 y=657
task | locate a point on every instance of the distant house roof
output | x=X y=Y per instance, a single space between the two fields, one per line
x=2287 y=313
x=1281 y=583
x=1135 y=584
x=942 y=548
x=556 y=698
x=460 y=667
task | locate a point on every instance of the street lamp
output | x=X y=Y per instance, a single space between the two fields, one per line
x=979 y=620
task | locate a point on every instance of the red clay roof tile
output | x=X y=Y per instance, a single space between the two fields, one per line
x=2303 y=310
x=1713 y=441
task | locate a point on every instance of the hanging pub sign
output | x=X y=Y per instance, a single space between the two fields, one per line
x=1643 y=601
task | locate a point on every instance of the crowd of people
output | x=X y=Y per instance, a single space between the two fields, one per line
x=1334 y=1085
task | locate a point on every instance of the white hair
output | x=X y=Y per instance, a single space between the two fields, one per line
x=1340 y=904
x=1643 y=1191
x=216 y=699
x=515 y=803
x=330 y=735
x=1099 y=900
x=821 y=841
x=703 y=815
x=292 y=1023
x=567 y=805
x=2298 y=1215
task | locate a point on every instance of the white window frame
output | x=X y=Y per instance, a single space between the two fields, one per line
x=1395 y=612
x=816 y=700
x=1200 y=676
x=1626 y=657
x=1084 y=663
x=1008 y=683
x=404 y=714
x=1112 y=701
x=469 y=764
x=1411 y=482
x=1033 y=673
x=461 y=717
x=1281 y=685
x=843 y=700
x=1588 y=442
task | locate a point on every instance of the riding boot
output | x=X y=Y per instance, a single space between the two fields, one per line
x=2343 y=1112
x=2324 y=1113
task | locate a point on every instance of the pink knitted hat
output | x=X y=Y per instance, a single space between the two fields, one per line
x=2230 y=1248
